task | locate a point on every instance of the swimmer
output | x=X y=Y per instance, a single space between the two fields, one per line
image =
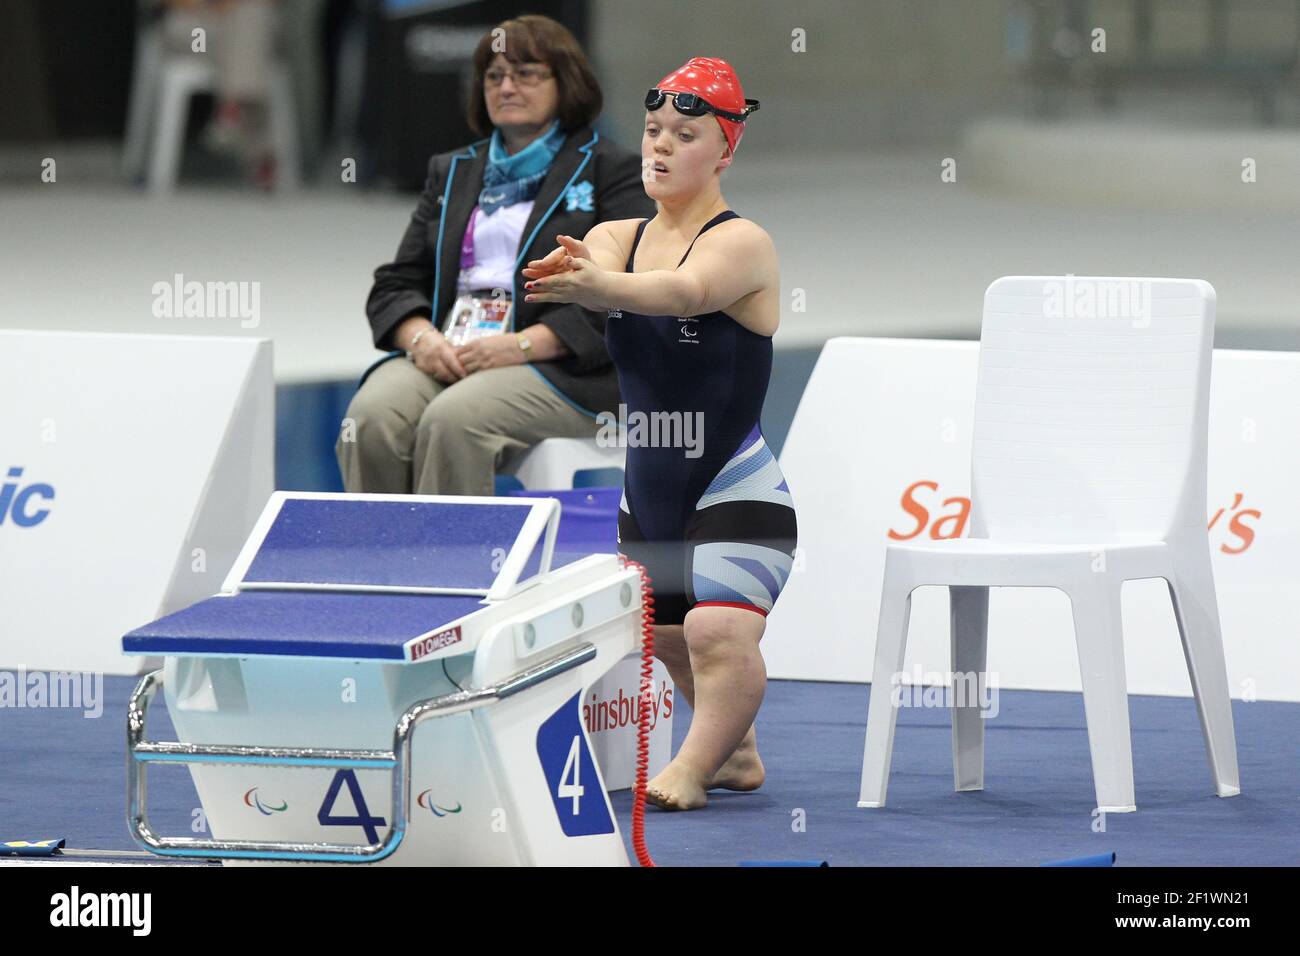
x=693 y=300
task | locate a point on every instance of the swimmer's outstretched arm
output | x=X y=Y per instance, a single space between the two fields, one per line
x=726 y=264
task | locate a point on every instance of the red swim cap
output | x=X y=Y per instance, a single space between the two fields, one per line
x=715 y=81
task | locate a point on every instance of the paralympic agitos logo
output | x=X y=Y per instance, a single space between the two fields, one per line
x=253 y=799
x=951 y=521
x=426 y=801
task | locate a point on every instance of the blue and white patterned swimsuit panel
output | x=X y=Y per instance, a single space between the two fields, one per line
x=710 y=515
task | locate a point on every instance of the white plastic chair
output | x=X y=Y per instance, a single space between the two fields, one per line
x=552 y=463
x=161 y=89
x=1088 y=469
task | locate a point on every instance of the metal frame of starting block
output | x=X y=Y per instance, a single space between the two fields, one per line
x=348 y=622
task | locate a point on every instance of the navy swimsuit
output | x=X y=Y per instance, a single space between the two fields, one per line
x=705 y=507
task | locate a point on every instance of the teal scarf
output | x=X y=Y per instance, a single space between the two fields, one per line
x=510 y=179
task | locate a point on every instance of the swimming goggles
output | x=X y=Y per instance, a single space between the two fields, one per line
x=692 y=104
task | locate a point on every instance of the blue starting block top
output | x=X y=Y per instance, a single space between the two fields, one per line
x=354 y=625
x=382 y=542
x=362 y=576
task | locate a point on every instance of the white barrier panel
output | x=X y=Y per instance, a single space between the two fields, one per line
x=879 y=450
x=132 y=469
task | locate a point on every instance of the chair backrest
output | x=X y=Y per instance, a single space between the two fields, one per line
x=1092 y=408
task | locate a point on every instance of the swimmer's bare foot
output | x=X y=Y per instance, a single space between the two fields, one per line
x=676 y=788
x=742 y=771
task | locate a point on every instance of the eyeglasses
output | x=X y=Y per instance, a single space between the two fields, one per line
x=522 y=75
x=692 y=104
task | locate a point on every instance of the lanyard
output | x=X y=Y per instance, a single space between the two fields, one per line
x=467 y=243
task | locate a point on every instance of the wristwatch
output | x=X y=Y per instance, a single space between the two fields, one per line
x=524 y=345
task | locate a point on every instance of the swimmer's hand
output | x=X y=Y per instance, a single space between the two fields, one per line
x=575 y=279
x=554 y=260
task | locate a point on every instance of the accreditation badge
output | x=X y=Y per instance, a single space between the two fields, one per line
x=477 y=316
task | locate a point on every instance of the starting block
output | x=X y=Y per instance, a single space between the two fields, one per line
x=391 y=678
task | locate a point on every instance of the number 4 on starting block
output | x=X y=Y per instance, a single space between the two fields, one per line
x=581 y=803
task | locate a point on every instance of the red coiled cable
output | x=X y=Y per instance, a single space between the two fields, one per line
x=643 y=718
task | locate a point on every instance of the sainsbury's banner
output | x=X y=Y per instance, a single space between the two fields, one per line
x=611 y=709
x=132 y=467
x=879 y=452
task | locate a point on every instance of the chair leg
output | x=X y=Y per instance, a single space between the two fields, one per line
x=284 y=130
x=1099 y=635
x=1191 y=588
x=882 y=710
x=169 y=140
x=969 y=629
x=144 y=89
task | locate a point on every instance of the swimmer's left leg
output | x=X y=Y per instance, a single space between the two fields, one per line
x=743 y=770
x=730 y=678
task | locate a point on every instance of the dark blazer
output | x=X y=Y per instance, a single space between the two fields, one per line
x=591 y=180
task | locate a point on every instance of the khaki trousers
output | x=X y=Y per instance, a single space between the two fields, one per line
x=406 y=432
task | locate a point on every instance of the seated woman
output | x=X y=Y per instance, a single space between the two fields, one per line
x=495 y=375
x=694 y=299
